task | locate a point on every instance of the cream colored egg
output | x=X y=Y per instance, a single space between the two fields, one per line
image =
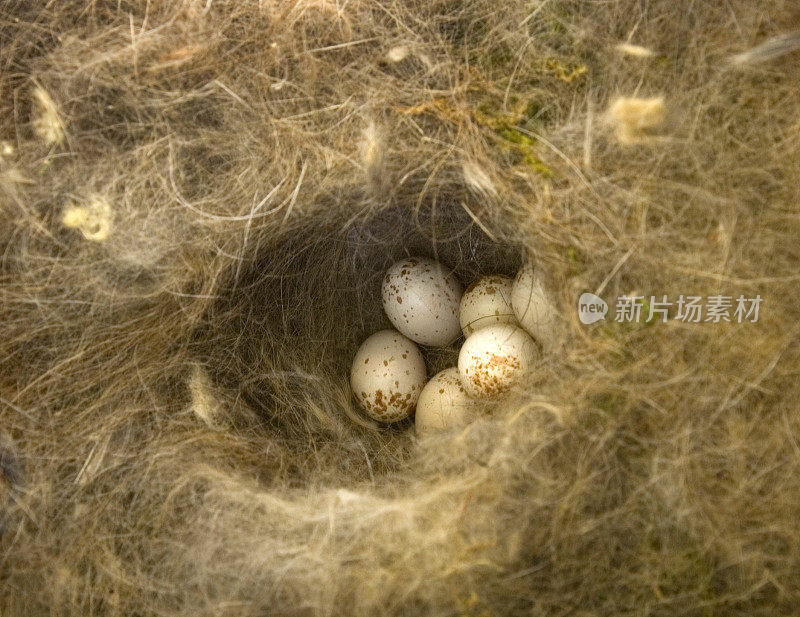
x=486 y=302
x=494 y=359
x=420 y=297
x=535 y=308
x=444 y=403
x=387 y=376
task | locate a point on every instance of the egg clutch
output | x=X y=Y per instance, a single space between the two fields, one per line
x=504 y=322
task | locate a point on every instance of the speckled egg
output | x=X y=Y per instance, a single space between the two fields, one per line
x=388 y=375
x=444 y=403
x=535 y=308
x=493 y=359
x=486 y=302
x=420 y=297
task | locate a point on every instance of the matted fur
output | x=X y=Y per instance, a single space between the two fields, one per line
x=198 y=200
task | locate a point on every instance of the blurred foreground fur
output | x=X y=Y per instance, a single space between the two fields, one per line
x=198 y=200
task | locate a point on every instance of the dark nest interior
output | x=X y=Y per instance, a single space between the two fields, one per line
x=281 y=332
x=198 y=201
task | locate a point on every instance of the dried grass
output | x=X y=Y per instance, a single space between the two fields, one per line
x=177 y=433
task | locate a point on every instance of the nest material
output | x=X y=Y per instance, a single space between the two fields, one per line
x=198 y=200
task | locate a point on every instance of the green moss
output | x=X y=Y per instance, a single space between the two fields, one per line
x=575 y=261
x=506 y=130
x=572 y=255
x=647 y=319
x=515 y=137
x=537 y=165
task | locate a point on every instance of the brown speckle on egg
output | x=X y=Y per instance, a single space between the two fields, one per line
x=419 y=293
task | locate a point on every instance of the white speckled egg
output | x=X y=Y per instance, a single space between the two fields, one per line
x=534 y=307
x=388 y=375
x=494 y=359
x=444 y=403
x=486 y=302
x=420 y=297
